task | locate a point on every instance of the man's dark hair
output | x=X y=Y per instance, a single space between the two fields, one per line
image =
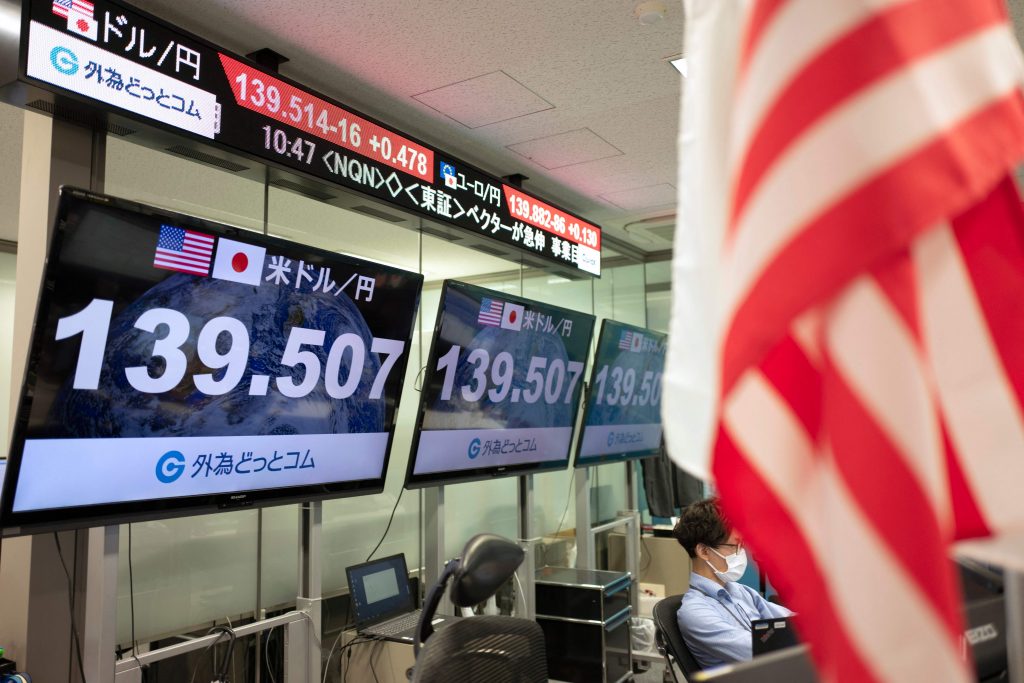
x=701 y=522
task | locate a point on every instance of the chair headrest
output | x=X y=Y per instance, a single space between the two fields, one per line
x=488 y=561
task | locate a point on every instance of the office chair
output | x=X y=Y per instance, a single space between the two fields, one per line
x=490 y=649
x=670 y=640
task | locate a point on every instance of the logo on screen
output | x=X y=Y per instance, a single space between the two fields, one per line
x=64 y=60
x=474 y=448
x=170 y=466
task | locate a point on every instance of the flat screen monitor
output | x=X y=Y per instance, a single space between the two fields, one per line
x=501 y=387
x=622 y=417
x=180 y=366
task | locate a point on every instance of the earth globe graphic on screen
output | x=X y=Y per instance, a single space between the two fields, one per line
x=268 y=312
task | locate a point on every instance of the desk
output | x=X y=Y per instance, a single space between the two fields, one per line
x=388 y=660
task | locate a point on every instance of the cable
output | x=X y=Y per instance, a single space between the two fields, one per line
x=568 y=499
x=373 y=671
x=327 y=666
x=131 y=602
x=358 y=640
x=71 y=606
x=266 y=656
x=519 y=583
x=345 y=626
x=232 y=627
x=313 y=629
x=222 y=670
x=388 y=527
x=650 y=557
x=221 y=632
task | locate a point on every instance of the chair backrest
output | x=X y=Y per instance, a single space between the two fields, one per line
x=488 y=648
x=668 y=635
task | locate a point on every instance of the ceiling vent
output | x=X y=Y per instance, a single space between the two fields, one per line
x=440 y=234
x=75 y=116
x=377 y=213
x=500 y=253
x=204 y=158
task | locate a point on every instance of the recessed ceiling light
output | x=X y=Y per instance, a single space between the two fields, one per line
x=680 y=65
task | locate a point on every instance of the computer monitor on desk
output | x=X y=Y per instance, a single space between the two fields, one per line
x=792 y=665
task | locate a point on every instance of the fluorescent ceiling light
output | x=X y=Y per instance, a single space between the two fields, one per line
x=679 y=64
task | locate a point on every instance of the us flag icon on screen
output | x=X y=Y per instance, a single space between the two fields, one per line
x=185 y=251
x=239 y=262
x=490 y=312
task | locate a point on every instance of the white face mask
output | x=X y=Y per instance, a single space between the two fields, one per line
x=735 y=565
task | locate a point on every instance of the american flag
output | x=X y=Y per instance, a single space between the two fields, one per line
x=183 y=250
x=851 y=159
x=626 y=340
x=490 y=312
x=62 y=7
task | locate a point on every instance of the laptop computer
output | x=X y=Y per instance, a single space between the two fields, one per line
x=382 y=599
x=770 y=635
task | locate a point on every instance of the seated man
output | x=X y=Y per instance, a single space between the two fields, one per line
x=714 y=617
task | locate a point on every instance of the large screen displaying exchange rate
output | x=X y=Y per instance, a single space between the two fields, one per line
x=178 y=364
x=622 y=418
x=501 y=388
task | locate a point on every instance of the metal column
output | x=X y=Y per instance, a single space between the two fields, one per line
x=526 y=604
x=1014 y=596
x=99 y=637
x=433 y=541
x=302 y=639
x=585 y=551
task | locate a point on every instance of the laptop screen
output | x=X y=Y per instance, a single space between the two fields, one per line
x=379 y=589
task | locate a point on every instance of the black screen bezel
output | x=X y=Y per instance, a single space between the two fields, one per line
x=416 y=481
x=610 y=458
x=76 y=517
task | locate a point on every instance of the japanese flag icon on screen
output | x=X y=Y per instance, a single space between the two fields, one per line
x=239 y=262
x=512 y=317
x=80 y=19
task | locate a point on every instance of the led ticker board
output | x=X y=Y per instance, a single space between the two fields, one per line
x=133 y=63
x=622 y=417
x=180 y=366
x=501 y=388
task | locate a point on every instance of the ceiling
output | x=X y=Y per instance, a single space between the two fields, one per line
x=577 y=96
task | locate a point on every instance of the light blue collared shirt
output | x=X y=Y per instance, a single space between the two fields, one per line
x=715 y=620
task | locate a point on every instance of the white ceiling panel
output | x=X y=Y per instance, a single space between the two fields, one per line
x=483 y=100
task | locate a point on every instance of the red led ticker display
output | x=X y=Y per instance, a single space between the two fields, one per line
x=127 y=61
x=280 y=101
x=546 y=217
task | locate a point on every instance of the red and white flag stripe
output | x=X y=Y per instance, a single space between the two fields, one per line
x=870 y=252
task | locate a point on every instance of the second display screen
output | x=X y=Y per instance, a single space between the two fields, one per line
x=501 y=389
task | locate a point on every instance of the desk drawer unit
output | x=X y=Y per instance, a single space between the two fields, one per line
x=585 y=617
